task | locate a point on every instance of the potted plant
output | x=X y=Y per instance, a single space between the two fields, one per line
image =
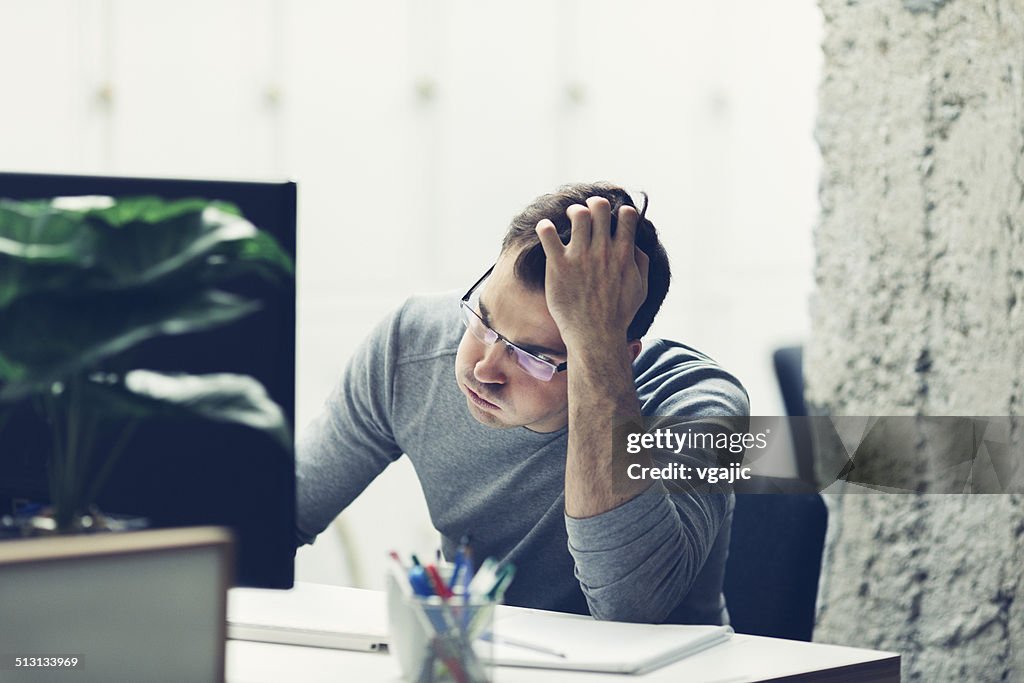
x=83 y=282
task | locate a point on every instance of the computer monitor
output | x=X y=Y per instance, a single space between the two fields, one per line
x=197 y=472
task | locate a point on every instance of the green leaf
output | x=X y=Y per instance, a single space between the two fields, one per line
x=41 y=249
x=198 y=243
x=263 y=248
x=222 y=397
x=35 y=232
x=130 y=244
x=44 y=338
x=146 y=209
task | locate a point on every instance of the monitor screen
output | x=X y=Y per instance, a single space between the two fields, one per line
x=196 y=472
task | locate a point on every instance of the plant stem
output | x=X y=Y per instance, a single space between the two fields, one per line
x=90 y=423
x=112 y=458
x=72 y=490
x=56 y=478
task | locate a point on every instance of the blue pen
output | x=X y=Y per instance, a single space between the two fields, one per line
x=419 y=580
x=467 y=575
x=467 y=570
x=460 y=566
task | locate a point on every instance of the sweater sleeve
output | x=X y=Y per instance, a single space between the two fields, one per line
x=638 y=561
x=351 y=441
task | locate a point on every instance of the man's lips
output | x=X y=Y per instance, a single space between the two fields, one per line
x=479 y=400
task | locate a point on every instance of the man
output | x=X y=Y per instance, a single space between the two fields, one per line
x=517 y=452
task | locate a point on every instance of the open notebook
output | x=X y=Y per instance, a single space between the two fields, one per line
x=543 y=640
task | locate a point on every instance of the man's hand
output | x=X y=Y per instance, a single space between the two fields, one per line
x=595 y=284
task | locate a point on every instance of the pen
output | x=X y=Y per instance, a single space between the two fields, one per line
x=419 y=580
x=522 y=644
x=440 y=587
x=463 y=565
x=398 y=561
x=464 y=578
x=484 y=576
x=457 y=568
x=443 y=592
x=501 y=582
x=400 y=575
x=467 y=568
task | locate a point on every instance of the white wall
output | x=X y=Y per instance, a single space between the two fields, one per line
x=417 y=129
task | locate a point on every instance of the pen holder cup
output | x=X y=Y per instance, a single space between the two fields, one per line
x=437 y=641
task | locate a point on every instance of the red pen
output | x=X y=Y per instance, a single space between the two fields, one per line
x=440 y=588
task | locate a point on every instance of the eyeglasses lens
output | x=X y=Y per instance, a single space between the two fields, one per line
x=535 y=367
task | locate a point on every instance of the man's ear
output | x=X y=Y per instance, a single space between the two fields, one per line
x=635 y=345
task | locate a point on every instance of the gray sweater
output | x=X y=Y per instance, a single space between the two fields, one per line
x=658 y=557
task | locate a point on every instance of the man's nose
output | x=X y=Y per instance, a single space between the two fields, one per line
x=490 y=369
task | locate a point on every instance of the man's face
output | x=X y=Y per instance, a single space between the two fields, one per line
x=498 y=392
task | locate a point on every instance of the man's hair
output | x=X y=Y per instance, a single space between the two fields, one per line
x=531 y=261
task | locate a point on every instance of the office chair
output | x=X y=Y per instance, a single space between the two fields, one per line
x=788 y=362
x=771 y=576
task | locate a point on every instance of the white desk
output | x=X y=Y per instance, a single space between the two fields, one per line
x=742 y=659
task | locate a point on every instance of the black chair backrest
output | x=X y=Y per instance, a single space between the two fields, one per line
x=789 y=371
x=771 y=576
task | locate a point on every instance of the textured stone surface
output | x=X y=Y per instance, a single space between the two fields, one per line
x=917 y=310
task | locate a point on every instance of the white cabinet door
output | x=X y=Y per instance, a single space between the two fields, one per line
x=351 y=144
x=51 y=106
x=498 y=101
x=195 y=87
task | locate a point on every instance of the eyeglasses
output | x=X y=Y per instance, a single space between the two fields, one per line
x=532 y=364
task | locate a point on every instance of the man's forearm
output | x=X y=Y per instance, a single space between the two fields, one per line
x=601 y=393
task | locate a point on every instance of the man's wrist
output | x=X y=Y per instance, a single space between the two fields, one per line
x=599 y=353
x=593 y=341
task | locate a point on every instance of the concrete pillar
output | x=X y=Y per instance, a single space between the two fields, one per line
x=918 y=311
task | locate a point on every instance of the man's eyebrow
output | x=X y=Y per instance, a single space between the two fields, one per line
x=532 y=348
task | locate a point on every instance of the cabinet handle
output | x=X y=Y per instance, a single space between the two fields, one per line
x=273 y=95
x=105 y=94
x=426 y=89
